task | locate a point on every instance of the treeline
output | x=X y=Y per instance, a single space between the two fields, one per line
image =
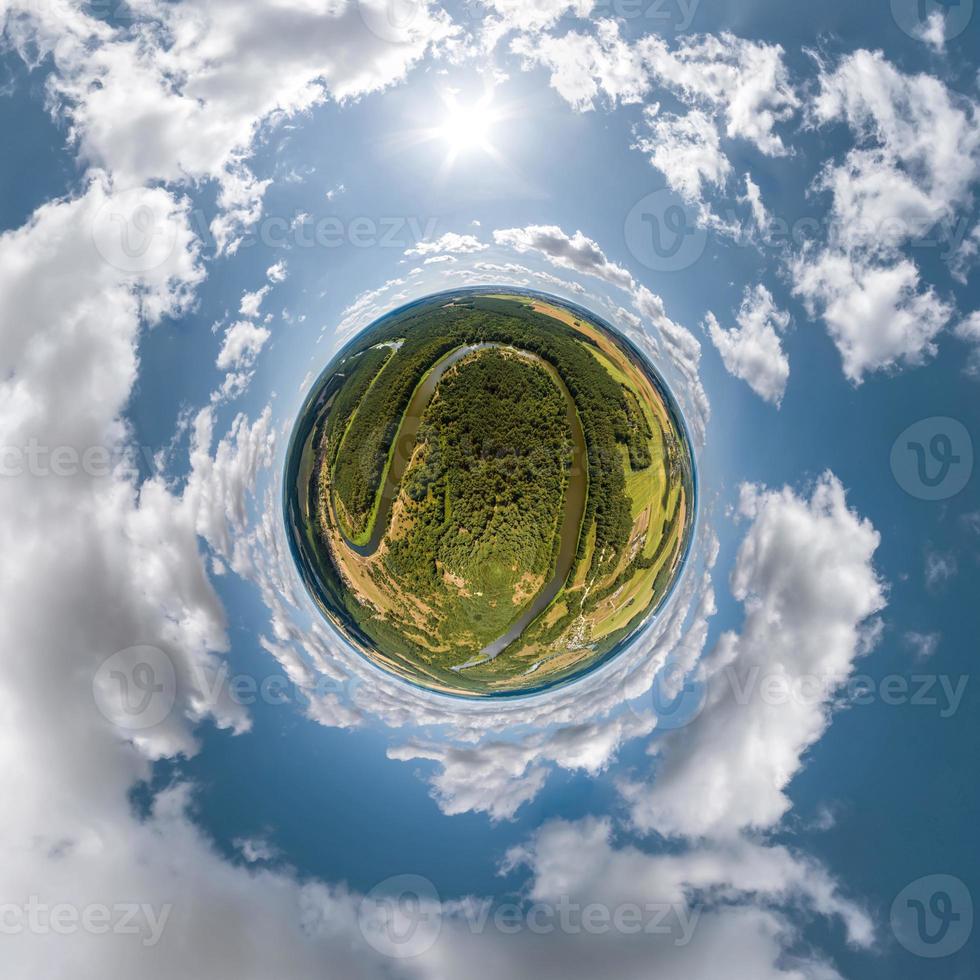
x=360 y=373
x=637 y=433
x=359 y=466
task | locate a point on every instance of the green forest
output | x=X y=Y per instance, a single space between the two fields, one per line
x=486 y=493
x=608 y=417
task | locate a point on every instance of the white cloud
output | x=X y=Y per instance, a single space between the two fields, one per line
x=578 y=861
x=584 y=67
x=519 y=15
x=251 y=302
x=877 y=314
x=222 y=478
x=124 y=568
x=277 y=271
x=242 y=344
x=940 y=568
x=365 y=308
x=729 y=85
x=498 y=777
x=923 y=645
x=968 y=330
x=450 y=242
x=576 y=252
x=255 y=849
x=916 y=159
x=182 y=91
x=686 y=150
x=805 y=576
x=933 y=31
x=732 y=87
x=745 y=83
x=753 y=350
x=513 y=273
x=753 y=197
x=917 y=152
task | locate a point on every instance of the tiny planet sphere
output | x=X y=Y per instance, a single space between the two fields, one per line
x=488 y=492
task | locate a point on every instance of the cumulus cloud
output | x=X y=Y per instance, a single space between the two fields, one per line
x=277 y=271
x=450 y=242
x=574 y=252
x=686 y=150
x=255 y=849
x=519 y=15
x=241 y=345
x=933 y=31
x=917 y=152
x=586 y=67
x=125 y=567
x=878 y=315
x=968 y=330
x=729 y=86
x=251 y=302
x=915 y=162
x=579 y=861
x=805 y=576
x=744 y=83
x=498 y=777
x=753 y=197
x=753 y=349
x=181 y=90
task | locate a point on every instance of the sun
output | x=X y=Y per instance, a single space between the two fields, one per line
x=468 y=127
x=461 y=126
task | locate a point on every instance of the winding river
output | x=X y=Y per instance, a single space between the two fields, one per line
x=575 y=493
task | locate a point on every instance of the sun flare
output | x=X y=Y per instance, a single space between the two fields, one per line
x=468 y=127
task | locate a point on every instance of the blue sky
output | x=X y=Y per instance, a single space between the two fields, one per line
x=204 y=200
